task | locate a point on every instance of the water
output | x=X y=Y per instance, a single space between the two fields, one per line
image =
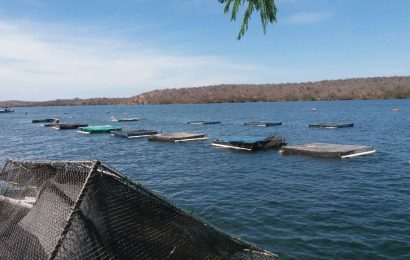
x=297 y=206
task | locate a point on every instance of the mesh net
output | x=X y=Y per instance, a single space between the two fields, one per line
x=85 y=210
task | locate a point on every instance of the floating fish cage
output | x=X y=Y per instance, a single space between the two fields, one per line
x=50 y=124
x=67 y=126
x=135 y=133
x=250 y=144
x=203 y=122
x=47 y=120
x=331 y=125
x=124 y=119
x=6 y=110
x=98 y=129
x=329 y=150
x=177 y=137
x=262 y=123
x=86 y=210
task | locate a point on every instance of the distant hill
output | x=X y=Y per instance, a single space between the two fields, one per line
x=358 y=88
x=65 y=102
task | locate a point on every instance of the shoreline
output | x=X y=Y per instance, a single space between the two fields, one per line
x=376 y=88
x=210 y=103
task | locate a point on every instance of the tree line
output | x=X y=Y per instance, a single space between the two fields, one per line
x=359 y=88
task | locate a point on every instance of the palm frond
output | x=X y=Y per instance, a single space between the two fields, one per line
x=266 y=8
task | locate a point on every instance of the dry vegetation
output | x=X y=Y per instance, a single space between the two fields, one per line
x=361 y=88
x=66 y=102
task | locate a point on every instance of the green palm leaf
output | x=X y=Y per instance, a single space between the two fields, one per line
x=266 y=8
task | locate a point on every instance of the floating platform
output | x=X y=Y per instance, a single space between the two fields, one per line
x=262 y=123
x=203 y=122
x=177 y=137
x=250 y=144
x=67 y=126
x=47 y=120
x=98 y=129
x=135 y=133
x=6 y=110
x=331 y=125
x=50 y=124
x=125 y=119
x=329 y=150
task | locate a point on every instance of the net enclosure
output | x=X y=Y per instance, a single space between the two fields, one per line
x=86 y=210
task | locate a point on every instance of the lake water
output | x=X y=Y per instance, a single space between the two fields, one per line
x=296 y=206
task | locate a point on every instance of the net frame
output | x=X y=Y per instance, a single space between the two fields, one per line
x=93 y=176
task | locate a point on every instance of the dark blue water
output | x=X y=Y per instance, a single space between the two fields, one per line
x=297 y=206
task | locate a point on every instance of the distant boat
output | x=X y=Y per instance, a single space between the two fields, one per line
x=6 y=110
x=314 y=109
x=395 y=109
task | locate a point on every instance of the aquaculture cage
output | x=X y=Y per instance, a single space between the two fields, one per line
x=85 y=210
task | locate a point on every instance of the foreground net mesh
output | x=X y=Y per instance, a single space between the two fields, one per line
x=85 y=210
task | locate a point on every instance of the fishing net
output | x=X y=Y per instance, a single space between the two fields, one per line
x=85 y=210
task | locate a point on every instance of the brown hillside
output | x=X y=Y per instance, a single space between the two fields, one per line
x=359 y=88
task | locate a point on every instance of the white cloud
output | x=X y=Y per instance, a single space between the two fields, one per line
x=39 y=63
x=307 y=17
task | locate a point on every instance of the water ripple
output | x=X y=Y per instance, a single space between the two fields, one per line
x=297 y=206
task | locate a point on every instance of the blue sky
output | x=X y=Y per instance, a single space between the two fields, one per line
x=71 y=48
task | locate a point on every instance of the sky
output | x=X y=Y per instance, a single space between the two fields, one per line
x=53 y=49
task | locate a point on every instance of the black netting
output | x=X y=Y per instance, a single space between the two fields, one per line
x=84 y=210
